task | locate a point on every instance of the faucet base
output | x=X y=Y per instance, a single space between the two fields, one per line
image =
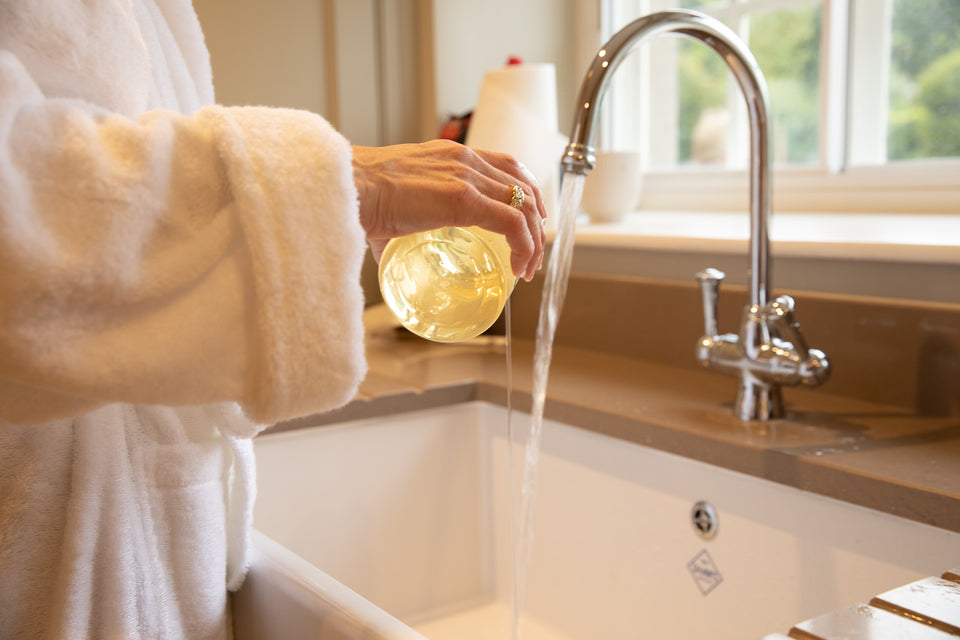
x=757 y=400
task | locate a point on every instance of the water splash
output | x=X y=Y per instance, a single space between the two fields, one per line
x=554 y=292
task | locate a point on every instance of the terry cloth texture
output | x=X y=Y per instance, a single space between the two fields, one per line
x=156 y=250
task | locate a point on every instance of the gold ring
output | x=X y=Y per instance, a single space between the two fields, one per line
x=516 y=198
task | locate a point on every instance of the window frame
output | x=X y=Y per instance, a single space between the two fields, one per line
x=836 y=184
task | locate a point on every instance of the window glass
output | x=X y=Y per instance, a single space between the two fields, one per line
x=786 y=44
x=876 y=84
x=703 y=118
x=924 y=102
x=711 y=121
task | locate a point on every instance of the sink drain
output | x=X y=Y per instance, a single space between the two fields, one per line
x=704 y=519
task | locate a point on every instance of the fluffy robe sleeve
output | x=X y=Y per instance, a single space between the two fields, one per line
x=174 y=259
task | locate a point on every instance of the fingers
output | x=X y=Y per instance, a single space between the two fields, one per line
x=408 y=188
x=522 y=225
x=508 y=165
x=526 y=259
x=502 y=168
x=483 y=182
x=534 y=215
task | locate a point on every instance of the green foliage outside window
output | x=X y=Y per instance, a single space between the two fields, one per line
x=924 y=104
x=924 y=120
x=786 y=45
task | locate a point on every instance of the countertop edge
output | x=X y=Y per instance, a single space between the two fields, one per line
x=782 y=466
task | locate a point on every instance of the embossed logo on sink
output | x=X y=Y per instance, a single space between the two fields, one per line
x=705 y=572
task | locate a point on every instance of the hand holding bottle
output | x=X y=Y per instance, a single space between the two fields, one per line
x=418 y=187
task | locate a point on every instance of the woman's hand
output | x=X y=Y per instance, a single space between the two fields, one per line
x=416 y=187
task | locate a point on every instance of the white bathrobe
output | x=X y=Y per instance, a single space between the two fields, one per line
x=155 y=251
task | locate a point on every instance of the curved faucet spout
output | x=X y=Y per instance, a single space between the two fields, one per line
x=579 y=155
x=769 y=350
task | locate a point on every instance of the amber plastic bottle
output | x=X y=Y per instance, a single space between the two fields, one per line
x=448 y=284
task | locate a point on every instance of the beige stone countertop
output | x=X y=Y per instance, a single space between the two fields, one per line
x=881 y=457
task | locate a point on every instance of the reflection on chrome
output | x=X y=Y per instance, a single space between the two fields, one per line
x=770 y=350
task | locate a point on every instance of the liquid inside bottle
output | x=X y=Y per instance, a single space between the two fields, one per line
x=448 y=284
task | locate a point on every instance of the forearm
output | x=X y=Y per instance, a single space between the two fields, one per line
x=173 y=259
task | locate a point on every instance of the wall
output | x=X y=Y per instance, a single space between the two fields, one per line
x=896 y=353
x=472 y=37
x=383 y=71
x=356 y=62
x=266 y=53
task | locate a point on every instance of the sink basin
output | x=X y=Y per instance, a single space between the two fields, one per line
x=286 y=597
x=400 y=527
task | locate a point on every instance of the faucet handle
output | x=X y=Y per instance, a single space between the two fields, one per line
x=779 y=317
x=709 y=280
x=814 y=367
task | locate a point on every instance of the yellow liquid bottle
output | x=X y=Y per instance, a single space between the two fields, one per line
x=448 y=284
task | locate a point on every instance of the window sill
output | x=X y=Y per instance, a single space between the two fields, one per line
x=918 y=238
x=911 y=257
x=920 y=187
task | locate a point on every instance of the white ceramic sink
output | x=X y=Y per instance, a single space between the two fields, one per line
x=411 y=512
x=286 y=597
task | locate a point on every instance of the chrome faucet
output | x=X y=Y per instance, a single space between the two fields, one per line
x=770 y=350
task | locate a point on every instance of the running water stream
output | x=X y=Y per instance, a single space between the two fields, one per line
x=554 y=291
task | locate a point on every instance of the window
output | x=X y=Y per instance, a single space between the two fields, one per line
x=864 y=95
x=908 y=54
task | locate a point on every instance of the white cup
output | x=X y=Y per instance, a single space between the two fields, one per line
x=613 y=187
